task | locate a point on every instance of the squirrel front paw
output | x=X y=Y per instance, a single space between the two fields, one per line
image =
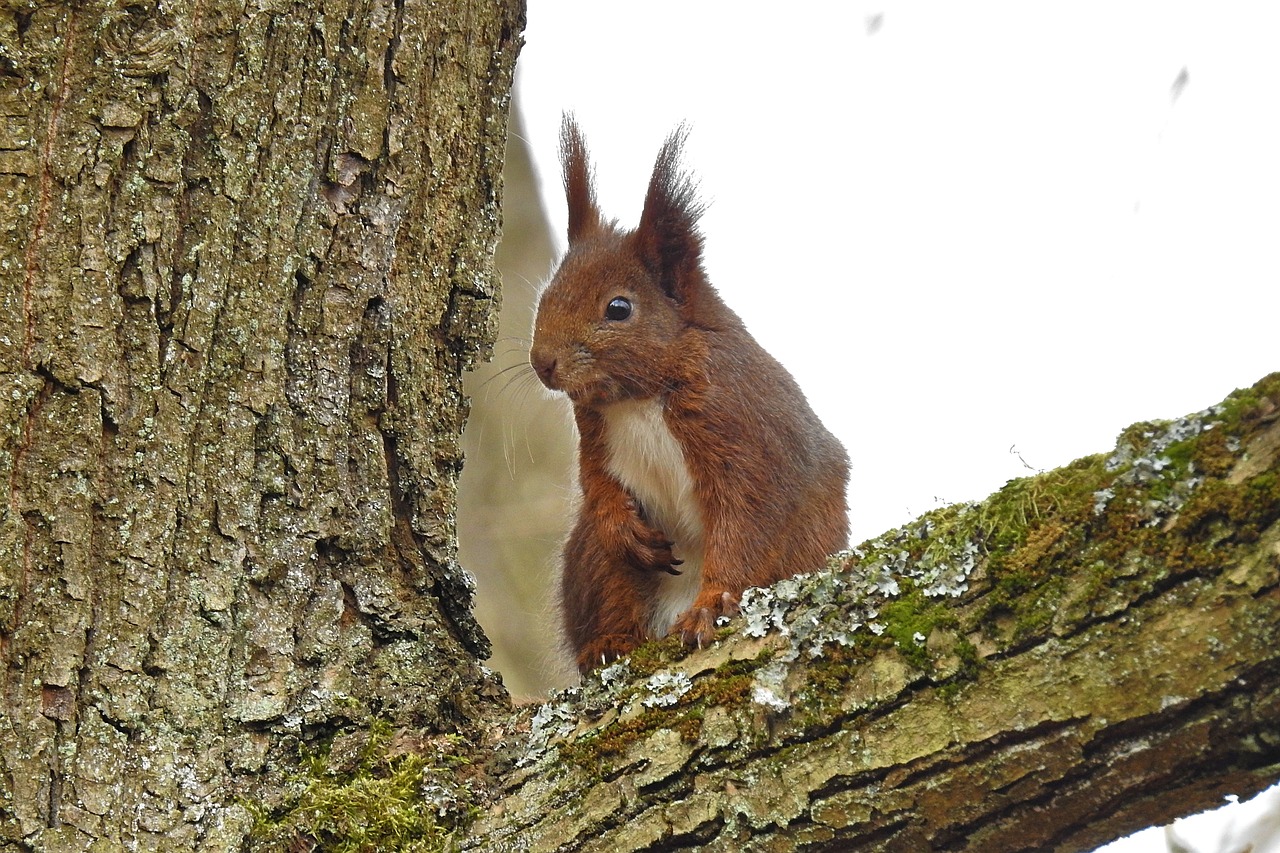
x=648 y=548
x=696 y=627
x=605 y=650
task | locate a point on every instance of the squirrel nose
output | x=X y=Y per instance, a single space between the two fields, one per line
x=545 y=367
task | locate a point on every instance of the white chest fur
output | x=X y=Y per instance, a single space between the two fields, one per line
x=648 y=461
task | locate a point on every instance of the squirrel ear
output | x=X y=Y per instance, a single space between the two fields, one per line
x=584 y=216
x=667 y=238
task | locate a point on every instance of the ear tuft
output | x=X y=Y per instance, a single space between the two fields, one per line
x=584 y=216
x=667 y=238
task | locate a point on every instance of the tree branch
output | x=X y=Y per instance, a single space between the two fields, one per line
x=1090 y=651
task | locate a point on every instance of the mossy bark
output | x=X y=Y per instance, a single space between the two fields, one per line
x=245 y=255
x=1090 y=651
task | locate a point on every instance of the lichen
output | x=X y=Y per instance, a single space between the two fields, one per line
x=552 y=720
x=665 y=689
x=1158 y=458
x=769 y=689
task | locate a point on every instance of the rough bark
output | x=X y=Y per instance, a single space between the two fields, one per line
x=1090 y=651
x=245 y=254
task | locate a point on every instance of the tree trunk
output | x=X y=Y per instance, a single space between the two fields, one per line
x=245 y=254
x=1090 y=651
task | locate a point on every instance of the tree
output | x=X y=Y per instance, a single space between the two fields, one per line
x=246 y=253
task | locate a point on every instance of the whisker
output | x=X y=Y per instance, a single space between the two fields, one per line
x=502 y=351
x=534 y=287
x=524 y=382
x=505 y=372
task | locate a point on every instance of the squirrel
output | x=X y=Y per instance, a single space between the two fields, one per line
x=703 y=469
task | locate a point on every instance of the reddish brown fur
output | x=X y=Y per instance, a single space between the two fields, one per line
x=768 y=477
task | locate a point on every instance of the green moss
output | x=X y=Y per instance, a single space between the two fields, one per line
x=827 y=679
x=728 y=687
x=1243 y=404
x=1061 y=546
x=1225 y=514
x=1020 y=532
x=909 y=619
x=1007 y=517
x=830 y=672
x=970 y=660
x=594 y=751
x=1212 y=454
x=376 y=805
x=1046 y=543
x=655 y=654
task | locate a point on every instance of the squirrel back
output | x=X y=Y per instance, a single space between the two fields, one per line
x=703 y=469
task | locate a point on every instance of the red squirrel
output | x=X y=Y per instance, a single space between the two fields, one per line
x=702 y=467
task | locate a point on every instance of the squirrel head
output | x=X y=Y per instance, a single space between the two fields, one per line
x=609 y=323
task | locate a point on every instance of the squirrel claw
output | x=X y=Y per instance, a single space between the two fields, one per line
x=605 y=650
x=650 y=549
x=697 y=627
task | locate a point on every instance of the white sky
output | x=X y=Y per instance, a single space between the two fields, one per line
x=982 y=226
x=971 y=228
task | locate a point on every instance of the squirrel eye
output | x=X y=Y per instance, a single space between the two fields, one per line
x=618 y=309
